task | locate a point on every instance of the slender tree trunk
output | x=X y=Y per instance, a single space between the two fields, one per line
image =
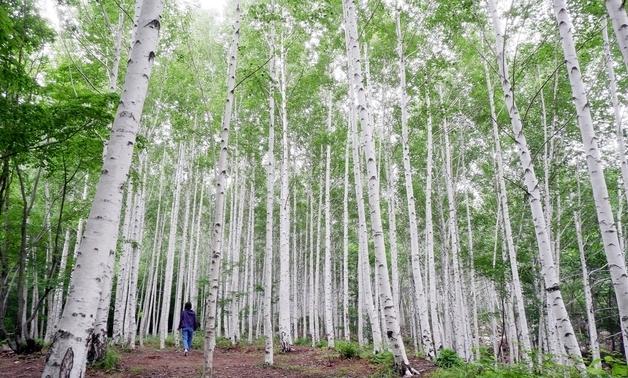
x=364 y=268
x=270 y=192
x=617 y=13
x=285 y=336
x=172 y=242
x=606 y=221
x=550 y=276
x=588 y=298
x=429 y=235
x=505 y=212
x=612 y=87
x=221 y=178
x=176 y=314
x=67 y=356
x=329 y=324
x=419 y=291
x=345 y=248
x=355 y=73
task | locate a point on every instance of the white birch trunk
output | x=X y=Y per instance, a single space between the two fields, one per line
x=617 y=13
x=270 y=191
x=419 y=291
x=588 y=297
x=429 y=235
x=546 y=259
x=67 y=355
x=169 y=267
x=221 y=179
x=619 y=130
x=345 y=248
x=505 y=212
x=329 y=324
x=176 y=314
x=364 y=275
x=285 y=336
x=606 y=221
x=355 y=75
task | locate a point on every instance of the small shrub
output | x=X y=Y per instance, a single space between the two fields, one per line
x=383 y=358
x=321 y=344
x=619 y=368
x=447 y=358
x=198 y=340
x=302 y=341
x=109 y=362
x=224 y=343
x=347 y=349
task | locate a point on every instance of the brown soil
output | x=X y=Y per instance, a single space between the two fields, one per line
x=238 y=362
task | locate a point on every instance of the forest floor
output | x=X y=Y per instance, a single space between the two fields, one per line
x=236 y=362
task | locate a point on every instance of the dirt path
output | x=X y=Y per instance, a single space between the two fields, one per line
x=246 y=362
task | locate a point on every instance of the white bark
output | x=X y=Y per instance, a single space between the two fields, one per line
x=419 y=291
x=588 y=297
x=176 y=314
x=505 y=213
x=606 y=221
x=285 y=336
x=429 y=235
x=617 y=14
x=612 y=88
x=364 y=268
x=531 y=183
x=459 y=311
x=270 y=191
x=355 y=75
x=172 y=242
x=345 y=248
x=329 y=324
x=67 y=356
x=221 y=178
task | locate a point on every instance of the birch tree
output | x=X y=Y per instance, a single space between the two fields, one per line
x=219 y=196
x=548 y=270
x=68 y=353
x=606 y=221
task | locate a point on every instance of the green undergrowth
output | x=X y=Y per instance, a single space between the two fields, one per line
x=110 y=362
x=347 y=349
x=450 y=365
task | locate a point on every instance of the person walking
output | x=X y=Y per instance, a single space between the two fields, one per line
x=187 y=325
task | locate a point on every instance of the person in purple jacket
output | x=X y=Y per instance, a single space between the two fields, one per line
x=187 y=325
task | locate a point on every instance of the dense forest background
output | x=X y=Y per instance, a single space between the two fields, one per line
x=412 y=176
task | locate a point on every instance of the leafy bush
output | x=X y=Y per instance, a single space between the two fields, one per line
x=224 y=343
x=111 y=361
x=618 y=366
x=303 y=341
x=347 y=349
x=383 y=358
x=321 y=344
x=447 y=358
x=198 y=341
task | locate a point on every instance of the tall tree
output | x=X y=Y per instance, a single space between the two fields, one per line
x=68 y=353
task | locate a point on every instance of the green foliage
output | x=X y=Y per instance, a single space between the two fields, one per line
x=488 y=368
x=198 y=340
x=321 y=344
x=448 y=358
x=347 y=349
x=618 y=367
x=110 y=361
x=302 y=341
x=383 y=358
x=224 y=343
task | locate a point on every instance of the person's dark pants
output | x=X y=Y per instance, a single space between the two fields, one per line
x=186 y=335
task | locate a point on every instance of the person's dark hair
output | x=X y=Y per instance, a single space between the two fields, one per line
x=188 y=306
